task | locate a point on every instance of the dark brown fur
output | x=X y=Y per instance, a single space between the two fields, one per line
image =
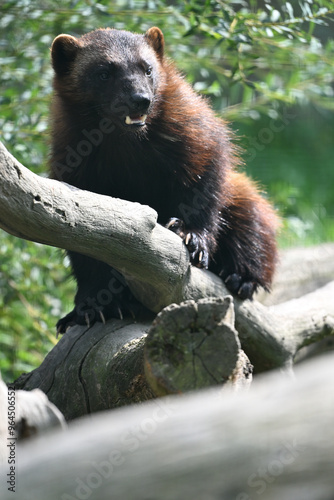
x=181 y=161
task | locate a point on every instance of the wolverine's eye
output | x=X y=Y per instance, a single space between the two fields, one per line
x=148 y=71
x=104 y=75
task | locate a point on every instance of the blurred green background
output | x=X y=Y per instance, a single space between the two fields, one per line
x=266 y=66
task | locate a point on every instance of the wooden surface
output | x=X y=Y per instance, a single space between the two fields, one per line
x=92 y=369
x=274 y=441
x=195 y=345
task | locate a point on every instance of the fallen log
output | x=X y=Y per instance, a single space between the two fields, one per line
x=102 y=367
x=93 y=369
x=274 y=440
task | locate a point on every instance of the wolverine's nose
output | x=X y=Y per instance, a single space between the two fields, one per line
x=140 y=102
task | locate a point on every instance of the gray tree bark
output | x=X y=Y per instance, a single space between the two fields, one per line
x=274 y=441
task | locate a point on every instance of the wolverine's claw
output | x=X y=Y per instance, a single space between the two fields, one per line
x=120 y=313
x=195 y=242
x=103 y=319
x=244 y=288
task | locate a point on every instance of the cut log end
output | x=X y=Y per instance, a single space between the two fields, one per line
x=194 y=345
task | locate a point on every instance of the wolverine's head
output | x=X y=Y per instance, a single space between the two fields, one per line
x=110 y=73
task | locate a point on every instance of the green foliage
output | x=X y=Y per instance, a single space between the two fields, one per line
x=291 y=152
x=267 y=54
x=32 y=288
x=267 y=66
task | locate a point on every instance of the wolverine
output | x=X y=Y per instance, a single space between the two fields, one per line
x=126 y=124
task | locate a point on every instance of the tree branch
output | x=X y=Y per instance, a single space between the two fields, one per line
x=300 y=270
x=272 y=336
x=125 y=235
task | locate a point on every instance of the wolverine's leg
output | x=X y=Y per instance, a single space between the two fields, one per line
x=246 y=254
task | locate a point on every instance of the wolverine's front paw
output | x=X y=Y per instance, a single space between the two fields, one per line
x=194 y=241
x=86 y=313
x=243 y=287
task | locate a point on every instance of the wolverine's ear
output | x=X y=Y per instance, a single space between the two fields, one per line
x=155 y=38
x=63 y=51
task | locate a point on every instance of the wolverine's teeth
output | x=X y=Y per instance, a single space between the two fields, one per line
x=138 y=120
